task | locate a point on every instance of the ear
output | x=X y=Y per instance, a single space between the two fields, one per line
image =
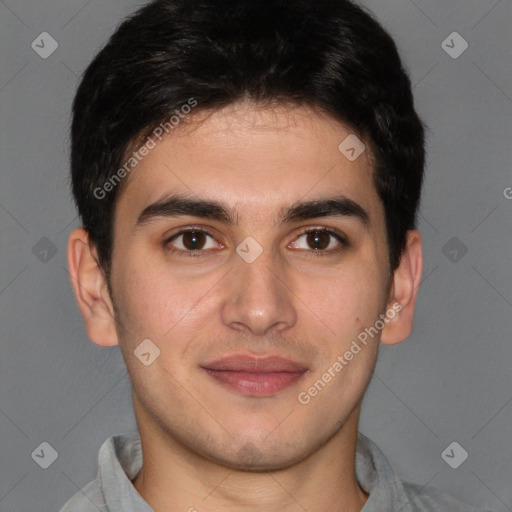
x=91 y=291
x=404 y=289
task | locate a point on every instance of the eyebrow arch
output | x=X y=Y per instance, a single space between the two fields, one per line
x=176 y=205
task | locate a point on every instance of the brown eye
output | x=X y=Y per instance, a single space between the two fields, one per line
x=192 y=241
x=320 y=240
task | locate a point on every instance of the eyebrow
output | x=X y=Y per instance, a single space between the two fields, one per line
x=177 y=205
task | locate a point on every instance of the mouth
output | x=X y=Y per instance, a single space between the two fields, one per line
x=255 y=376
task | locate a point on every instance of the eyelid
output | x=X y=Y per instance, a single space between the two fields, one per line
x=324 y=229
x=188 y=229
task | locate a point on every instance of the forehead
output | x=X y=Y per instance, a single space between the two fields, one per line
x=259 y=160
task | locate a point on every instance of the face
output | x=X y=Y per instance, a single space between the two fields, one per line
x=254 y=286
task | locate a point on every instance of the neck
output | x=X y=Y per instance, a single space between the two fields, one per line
x=173 y=478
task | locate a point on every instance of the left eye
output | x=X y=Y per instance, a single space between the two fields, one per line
x=319 y=240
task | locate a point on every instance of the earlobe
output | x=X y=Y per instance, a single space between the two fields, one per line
x=404 y=290
x=91 y=291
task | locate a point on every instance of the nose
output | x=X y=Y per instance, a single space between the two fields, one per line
x=259 y=298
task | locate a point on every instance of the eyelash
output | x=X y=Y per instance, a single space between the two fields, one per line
x=200 y=252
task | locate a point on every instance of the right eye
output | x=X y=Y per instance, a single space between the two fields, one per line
x=191 y=242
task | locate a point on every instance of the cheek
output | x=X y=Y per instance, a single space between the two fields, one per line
x=154 y=305
x=350 y=300
x=156 y=302
x=351 y=304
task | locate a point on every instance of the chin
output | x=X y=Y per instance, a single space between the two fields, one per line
x=260 y=457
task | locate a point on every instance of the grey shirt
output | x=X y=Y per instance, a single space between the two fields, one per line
x=120 y=460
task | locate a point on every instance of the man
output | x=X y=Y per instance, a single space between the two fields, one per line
x=247 y=175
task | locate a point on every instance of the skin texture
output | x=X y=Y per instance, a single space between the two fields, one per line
x=206 y=446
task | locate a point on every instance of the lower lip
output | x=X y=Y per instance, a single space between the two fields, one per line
x=255 y=384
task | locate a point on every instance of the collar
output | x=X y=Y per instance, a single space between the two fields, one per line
x=120 y=460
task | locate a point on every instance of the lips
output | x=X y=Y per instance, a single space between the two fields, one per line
x=250 y=364
x=255 y=376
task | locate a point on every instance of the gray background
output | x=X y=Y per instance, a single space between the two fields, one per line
x=450 y=381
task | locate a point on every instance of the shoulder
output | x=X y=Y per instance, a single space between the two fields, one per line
x=88 y=499
x=429 y=499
